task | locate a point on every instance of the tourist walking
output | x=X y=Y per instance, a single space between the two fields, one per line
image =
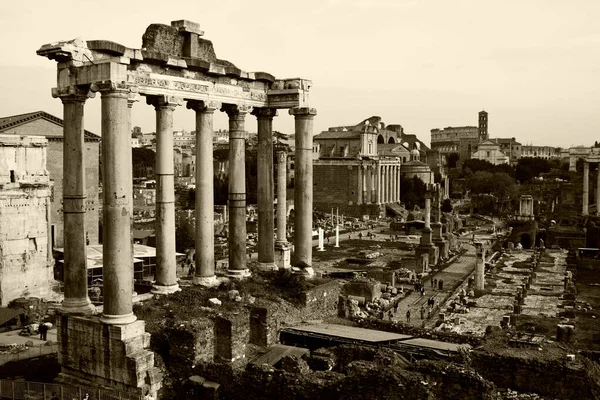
x=422 y=290
x=441 y=283
x=408 y=316
x=43 y=330
x=423 y=311
x=435 y=283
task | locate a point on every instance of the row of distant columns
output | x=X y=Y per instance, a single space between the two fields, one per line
x=117 y=196
x=378 y=184
x=586 y=189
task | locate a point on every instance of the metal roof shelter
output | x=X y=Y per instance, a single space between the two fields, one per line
x=350 y=332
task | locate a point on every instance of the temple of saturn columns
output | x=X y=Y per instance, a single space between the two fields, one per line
x=174 y=67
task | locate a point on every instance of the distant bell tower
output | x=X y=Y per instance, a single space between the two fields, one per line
x=483 y=125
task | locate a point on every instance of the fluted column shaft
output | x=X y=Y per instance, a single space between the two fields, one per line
x=265 y=193
x=303 y=195
x=76 y=300
x=166 y=272
x=586 y=187
x=365 y=187
x=116 y=212
x=204 y=212
x=281 y=197
x=237 y=190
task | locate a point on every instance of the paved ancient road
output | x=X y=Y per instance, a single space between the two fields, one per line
x=452 y=276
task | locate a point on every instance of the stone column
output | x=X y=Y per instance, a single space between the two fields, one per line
x=586 y=187
x=281 y=197
x=384 y=176
x=391 y=185
x=428 y=212
x=116 y=211
x=366 y=197
x=205 y=231
x=76 y=300
x=479 y=266
x=446 y=187
x=378 y=183
x=303 y=195
x=398 y=182
x=237 y=190
x=395 y=184
x=166 y=273
x=373 y=177
x=598 y=191
x=266 y=227
x=360 y=185
x=282 y=247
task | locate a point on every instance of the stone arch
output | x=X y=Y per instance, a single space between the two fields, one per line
x=391 y=140
x=380 y=139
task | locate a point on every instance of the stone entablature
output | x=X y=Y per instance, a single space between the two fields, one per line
x=23 y=161
x=174 y=62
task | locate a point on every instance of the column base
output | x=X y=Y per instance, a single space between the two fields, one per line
x=118 y=319
x=206 y=281
x=307 y=272
x=267 y=266
x=238 y=273
x=320 y=248
x=77 y=307
x=283 y=255
x=164 y=289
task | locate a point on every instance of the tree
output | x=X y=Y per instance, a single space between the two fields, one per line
x=185 y=231
x=412 y=192
x=452 y=159
x=531 y=167
x=446 y=206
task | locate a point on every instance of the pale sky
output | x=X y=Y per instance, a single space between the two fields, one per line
x=534 y=65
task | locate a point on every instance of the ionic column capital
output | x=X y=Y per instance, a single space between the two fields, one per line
x=164 y=102
x=303 y=112
x=236 y=110
x=72 y=94
x=113 y=88
x=203 y=106
x=132 y=99
x=264 y=113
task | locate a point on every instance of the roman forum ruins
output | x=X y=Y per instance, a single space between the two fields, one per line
x=175 y=66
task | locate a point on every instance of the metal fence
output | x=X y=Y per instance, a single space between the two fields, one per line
x=29 y=352
x=22 y=390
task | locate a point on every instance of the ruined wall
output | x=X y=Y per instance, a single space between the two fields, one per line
x=553 y=378
x=54 y=133
x=25 y=266
x=322 y=298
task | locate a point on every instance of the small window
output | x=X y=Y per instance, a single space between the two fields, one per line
x=292 y=166
x=12 y=176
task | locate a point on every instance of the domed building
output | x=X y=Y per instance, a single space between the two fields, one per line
x=415 y=167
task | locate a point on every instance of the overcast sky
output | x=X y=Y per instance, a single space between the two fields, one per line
x=534 y=65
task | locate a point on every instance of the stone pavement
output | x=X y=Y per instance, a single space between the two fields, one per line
x=453 y=275
x=14 y=337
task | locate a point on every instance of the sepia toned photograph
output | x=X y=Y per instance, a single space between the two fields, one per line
x=327 y=199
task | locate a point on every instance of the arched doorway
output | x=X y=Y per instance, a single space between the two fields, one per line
x=391 y=140
x=380 y=139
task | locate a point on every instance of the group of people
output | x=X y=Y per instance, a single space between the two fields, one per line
x=435 y=283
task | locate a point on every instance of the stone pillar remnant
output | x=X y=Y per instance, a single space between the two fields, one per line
x=360 y=184
x=479 y=266
x=303 y=195
x=166 y=265
x=265 y=194
x=204 y=212
x=76 y=300
x=237 y=191
x=116 y=212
